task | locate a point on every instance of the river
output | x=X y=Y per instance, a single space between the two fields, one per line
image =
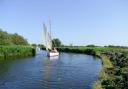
x=68 y=71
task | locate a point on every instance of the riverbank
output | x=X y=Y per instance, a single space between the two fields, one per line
x=114 y=73
x=12 y=52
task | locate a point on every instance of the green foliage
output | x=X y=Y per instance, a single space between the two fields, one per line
x=11 y=39
x=11 y=52
x=113 y=82
x=18 y=40
x=56 y=42
x=75 y=50
x=34 y=45
x=91 y=45
x=117 y=75
x=41 y=46
x=4 y=38
x=9 y=46
x=97 y=85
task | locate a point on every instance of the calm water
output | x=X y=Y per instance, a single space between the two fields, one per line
x=69 y=71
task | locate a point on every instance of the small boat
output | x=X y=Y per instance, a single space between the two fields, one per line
x=51 y=51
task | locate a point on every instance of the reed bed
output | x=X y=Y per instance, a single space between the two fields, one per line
x=11 y=52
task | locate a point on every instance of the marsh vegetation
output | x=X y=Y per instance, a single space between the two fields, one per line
x=14 y=46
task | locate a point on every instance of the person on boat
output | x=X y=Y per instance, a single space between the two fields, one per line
x=53 y=50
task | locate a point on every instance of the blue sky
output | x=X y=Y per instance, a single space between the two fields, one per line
x=77 y=22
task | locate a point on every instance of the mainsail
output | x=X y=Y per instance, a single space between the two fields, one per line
x=47 y=37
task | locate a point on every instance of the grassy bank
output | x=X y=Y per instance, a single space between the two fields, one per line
x=114 y=73
x=103 y=75
x=12 y=52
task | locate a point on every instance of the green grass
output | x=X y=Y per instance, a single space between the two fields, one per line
x=106 y=62
x=11 y=52
x=97 y=85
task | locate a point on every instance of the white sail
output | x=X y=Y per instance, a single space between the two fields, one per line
x=45 y=43
x=48 y=40
x=48 y=43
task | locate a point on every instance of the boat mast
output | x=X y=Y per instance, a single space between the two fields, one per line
x=52 y=42
x=50 y=31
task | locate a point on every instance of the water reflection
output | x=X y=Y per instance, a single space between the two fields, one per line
x=66 y=71
x=54 y=58
x=47 y=72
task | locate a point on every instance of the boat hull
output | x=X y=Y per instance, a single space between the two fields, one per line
x=51 y=54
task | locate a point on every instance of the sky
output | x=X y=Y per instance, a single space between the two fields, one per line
x=77 y=22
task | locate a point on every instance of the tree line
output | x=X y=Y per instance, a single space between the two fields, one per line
x=11 y=39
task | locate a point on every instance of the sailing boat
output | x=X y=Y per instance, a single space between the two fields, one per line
x=51 y=51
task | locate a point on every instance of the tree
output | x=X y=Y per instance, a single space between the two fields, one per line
x=34 y=45
x=4 y=38
x=11 y=39
x=56 y=42
x=91 y=45
x=18 y=40
x=41 y=46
